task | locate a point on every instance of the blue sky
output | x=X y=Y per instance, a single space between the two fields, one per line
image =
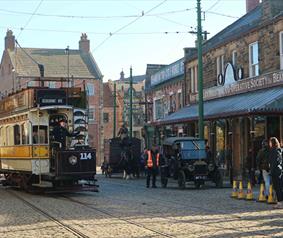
x=138 y=28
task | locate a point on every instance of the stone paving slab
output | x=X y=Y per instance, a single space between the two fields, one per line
x=125 y=208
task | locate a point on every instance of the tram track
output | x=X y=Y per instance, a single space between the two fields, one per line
x=182 y=206
x=105 y=212
x=74 y=231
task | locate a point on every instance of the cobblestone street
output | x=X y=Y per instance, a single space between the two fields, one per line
x=125 y=208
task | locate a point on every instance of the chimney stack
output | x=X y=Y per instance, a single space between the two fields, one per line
x=84 y=45
x=9 y=40
x=251 y=4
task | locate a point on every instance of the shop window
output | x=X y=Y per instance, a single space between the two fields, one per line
x=253 y=59
x=281 y=49
x=39 y=135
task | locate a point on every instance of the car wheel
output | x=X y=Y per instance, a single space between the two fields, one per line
x=181 y=179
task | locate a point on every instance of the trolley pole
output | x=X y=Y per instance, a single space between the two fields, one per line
x=131 y=103
x=114 y=111
x=200 y=72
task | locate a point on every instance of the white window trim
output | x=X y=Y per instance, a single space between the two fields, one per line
x=220 y=66
x=250 y=60
x=281 y=49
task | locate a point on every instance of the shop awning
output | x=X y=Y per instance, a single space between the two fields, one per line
x=256 y=102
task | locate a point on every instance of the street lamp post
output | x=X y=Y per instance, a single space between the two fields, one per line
x=114 y=111
x=131 y=103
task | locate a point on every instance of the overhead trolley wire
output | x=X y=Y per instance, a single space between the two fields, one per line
x=29 y=20
x=93 y=17
x=128 y=24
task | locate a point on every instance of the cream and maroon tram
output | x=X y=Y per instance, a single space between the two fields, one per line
x=29 y=156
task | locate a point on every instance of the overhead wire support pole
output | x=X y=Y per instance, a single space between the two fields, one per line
x=131 y=103
x=114 y=111
x=200 y=72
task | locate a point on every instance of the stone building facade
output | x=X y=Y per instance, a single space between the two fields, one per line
x=243 y=88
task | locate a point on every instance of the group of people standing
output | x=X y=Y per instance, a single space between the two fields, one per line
x=269 y=160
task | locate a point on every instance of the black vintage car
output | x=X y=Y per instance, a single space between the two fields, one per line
x=186 y=159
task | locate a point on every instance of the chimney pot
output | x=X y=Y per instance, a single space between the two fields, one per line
x=84 y=45
x=9 y=40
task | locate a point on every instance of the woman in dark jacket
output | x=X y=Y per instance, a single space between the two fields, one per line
x=275 y=160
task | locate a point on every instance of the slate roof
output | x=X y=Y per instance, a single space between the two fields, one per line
x=266 y=100
x=55 y=61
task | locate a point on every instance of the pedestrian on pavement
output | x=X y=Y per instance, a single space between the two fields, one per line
x=263 y=165
x=152 y=159
x=275 y=161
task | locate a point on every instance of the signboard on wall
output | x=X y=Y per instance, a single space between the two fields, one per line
x=168 y=72
x=241 y=86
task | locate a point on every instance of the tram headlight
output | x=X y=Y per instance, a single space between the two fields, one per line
x=191 y=167
x=73 y=160
x=211 y=167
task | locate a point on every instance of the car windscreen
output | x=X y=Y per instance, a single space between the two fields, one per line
x=193 y=149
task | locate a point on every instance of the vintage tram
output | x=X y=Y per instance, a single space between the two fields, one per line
x=30 y=157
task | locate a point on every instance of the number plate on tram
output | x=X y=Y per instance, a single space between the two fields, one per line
x=85 y=156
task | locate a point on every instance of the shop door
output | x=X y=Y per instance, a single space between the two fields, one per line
x=273 y=127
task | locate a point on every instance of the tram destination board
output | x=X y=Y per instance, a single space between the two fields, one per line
x=48 y=97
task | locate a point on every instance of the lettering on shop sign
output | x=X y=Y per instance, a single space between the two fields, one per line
x=241 y=86
x=168 y=72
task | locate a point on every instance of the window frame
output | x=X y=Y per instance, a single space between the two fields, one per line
x=253 y=66
x=92 y=91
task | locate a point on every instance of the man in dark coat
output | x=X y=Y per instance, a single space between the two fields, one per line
x=152 y=160
x=60 y=133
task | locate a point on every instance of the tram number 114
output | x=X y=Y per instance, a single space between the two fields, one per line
x=85 y=156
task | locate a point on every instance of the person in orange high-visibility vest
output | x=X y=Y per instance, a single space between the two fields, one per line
x=152 y=160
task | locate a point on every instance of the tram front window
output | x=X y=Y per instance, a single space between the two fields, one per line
x=39 y=135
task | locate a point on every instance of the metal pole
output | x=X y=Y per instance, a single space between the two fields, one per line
x=200 y=72
x=114 y=111
x=131 y=103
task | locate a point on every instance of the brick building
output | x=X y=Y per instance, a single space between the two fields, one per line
x=243 y=88
x=20 y=67
x=164 y=96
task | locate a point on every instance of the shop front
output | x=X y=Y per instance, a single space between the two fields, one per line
x=236 y=122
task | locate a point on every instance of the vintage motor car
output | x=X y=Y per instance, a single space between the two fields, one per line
x=185 y=159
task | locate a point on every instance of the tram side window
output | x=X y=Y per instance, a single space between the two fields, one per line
x=17 y=135
x=25 y=137
x=39 y=135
